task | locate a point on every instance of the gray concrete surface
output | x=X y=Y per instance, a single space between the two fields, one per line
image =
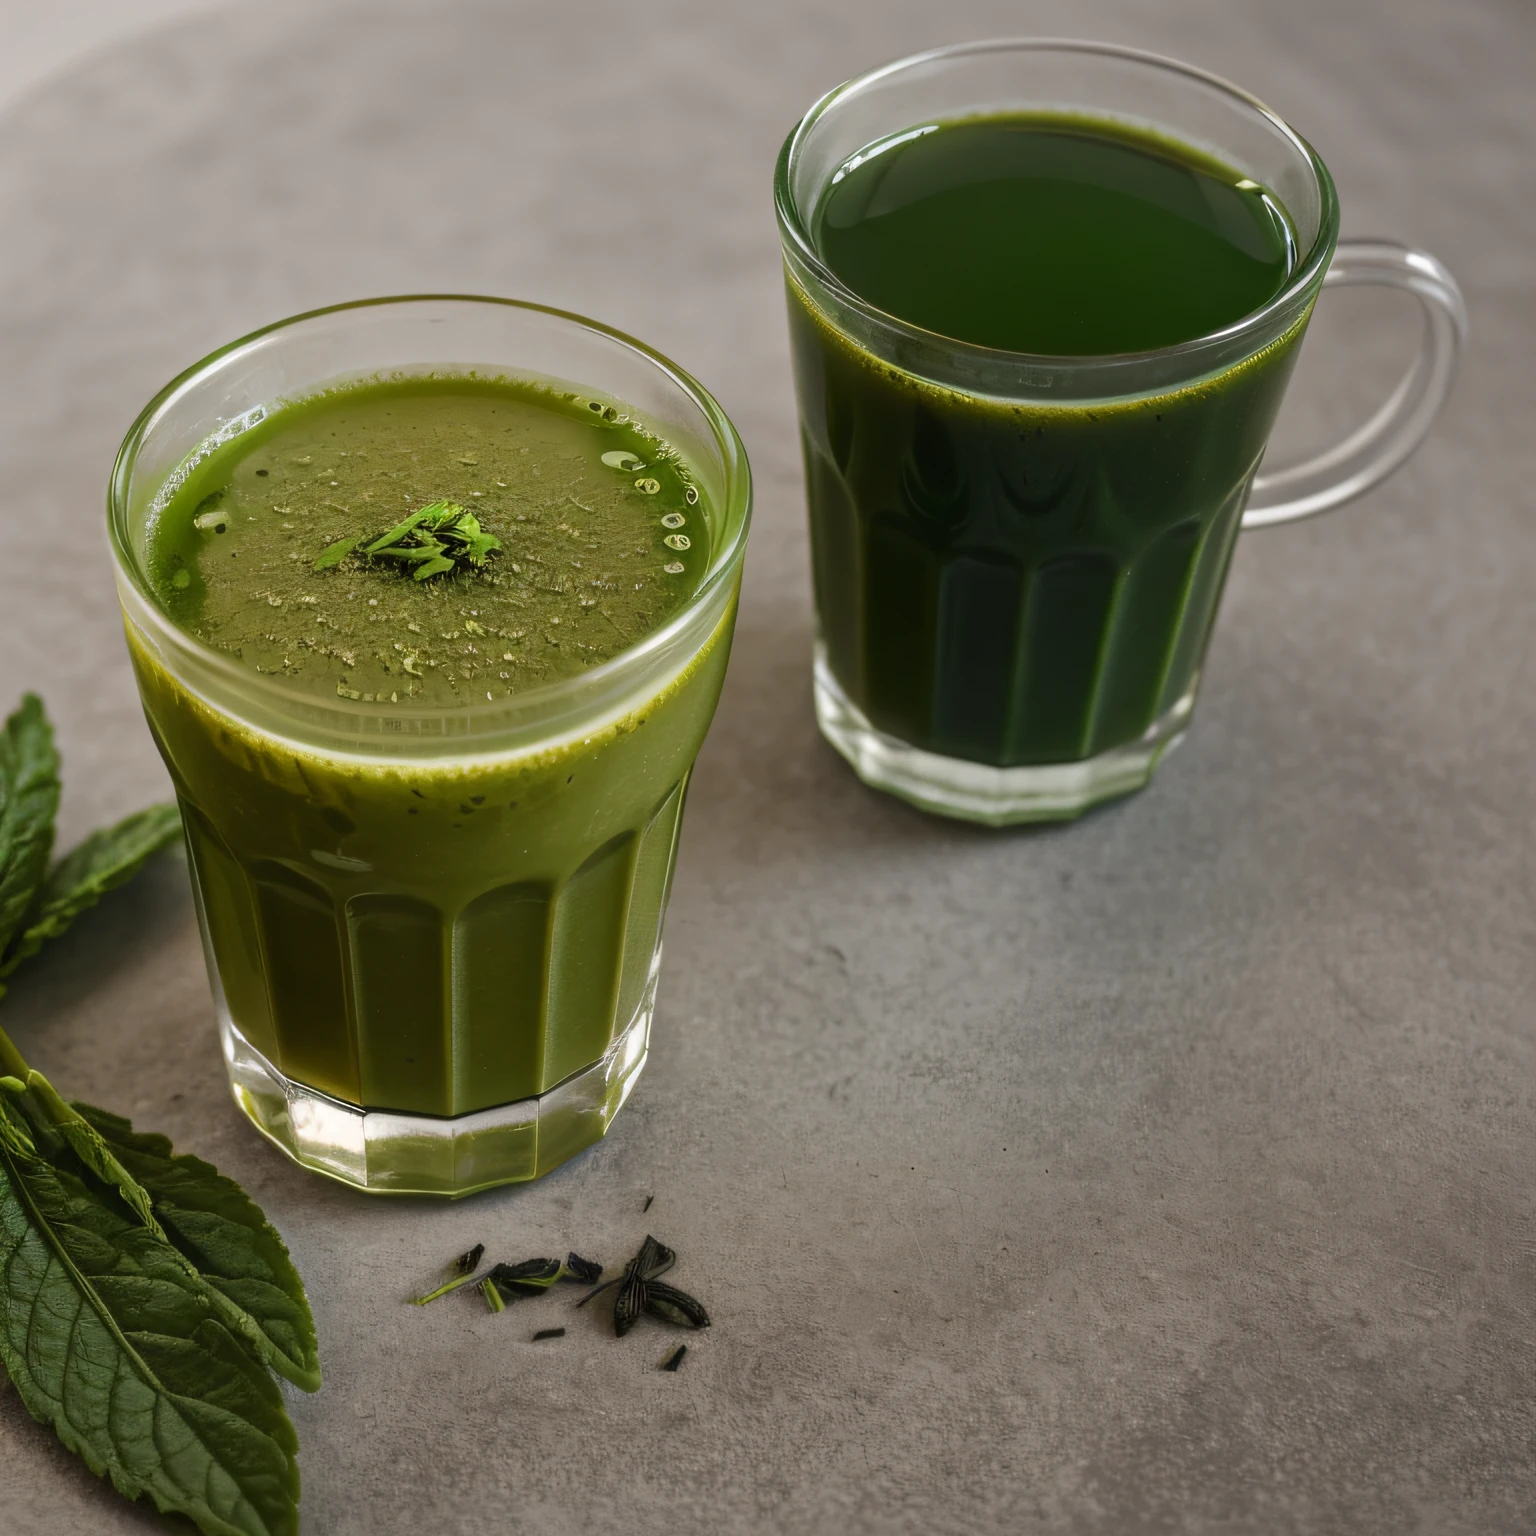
x=1168 y=1172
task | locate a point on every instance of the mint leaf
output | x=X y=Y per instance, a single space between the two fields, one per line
x=238 y=1253
x=54 y=1126
x=109 y=1340
x=29 y=800
x=106 y=859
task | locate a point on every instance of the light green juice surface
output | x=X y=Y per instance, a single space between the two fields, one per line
x=600 y=532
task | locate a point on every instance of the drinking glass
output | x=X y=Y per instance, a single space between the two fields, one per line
x=1012 y=618
x=433 y=934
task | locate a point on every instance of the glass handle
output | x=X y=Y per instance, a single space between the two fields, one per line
x=1370 y=453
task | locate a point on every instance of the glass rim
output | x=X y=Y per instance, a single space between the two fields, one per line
x=796 y=235
x=488 y=715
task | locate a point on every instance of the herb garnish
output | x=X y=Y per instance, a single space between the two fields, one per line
x=144 y=1298
x=641 y=1292
x=433 y=541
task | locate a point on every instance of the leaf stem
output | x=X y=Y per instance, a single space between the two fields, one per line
x=11 y=1060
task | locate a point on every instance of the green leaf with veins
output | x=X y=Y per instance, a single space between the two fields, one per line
x=80 y=879
x=237 y=1251
x=29 y=800
x=111 y=1341
x=58 y=1130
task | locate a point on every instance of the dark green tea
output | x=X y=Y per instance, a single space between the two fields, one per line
x=1019 y=583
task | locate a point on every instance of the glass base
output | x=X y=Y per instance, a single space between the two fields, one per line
x=388 y=1153
x=996 y=797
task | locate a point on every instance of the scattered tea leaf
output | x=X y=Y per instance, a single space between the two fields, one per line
x=492 y=1295
x=468 y=1263
x=530 y=1278
x=442 y=1290
x=674 y=1306
x=675 y=1359
x=580 y=1271
x=549 y=1333
x=642 y=1294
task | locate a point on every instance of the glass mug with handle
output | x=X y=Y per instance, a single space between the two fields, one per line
x=1018 y=556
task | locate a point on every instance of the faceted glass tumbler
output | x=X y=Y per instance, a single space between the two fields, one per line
x=433 y=936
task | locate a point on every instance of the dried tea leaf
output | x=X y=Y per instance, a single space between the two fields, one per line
x=630 y=1303
x=674 y=1306
x=530 y=1278
x=580 y=1271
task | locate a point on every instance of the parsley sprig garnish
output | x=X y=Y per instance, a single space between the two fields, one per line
x=434 y=540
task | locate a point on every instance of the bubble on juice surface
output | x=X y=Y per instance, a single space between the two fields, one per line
x=622 y=459
x=674 y=567
x=673 y=520
x=691 y=495
x=648 y=484
x=677 y=541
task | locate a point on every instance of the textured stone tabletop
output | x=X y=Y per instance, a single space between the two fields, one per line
x=1171 y=1171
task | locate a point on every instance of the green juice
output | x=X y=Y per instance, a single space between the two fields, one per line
x=1020 y=583
x=425 y=935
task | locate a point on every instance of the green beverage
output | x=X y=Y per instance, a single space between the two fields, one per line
x=433 y=653
x=1018 y=582
x=1044 y=300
